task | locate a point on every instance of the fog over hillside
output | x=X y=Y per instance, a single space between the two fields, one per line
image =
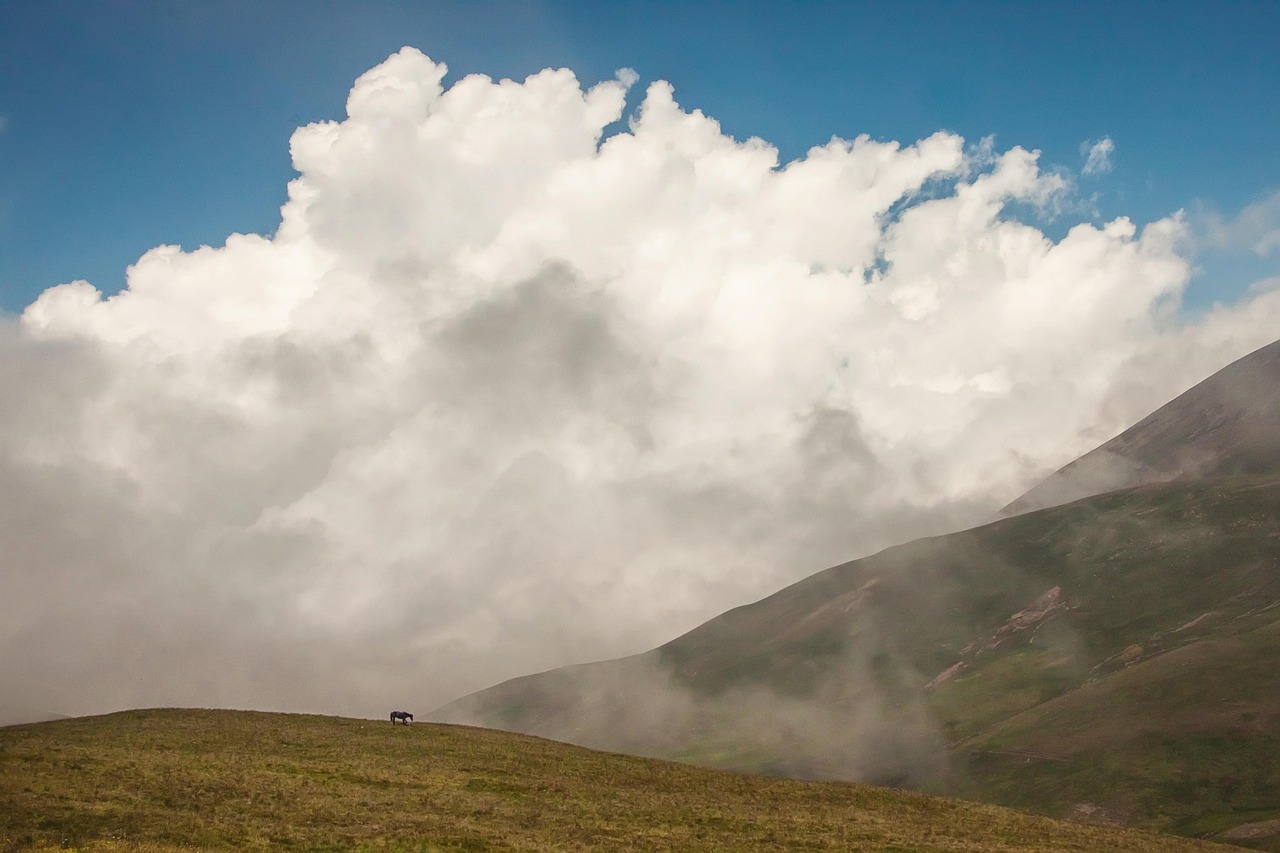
x=505 y=392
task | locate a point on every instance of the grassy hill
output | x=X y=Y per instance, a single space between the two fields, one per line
x=1112 y=658
x=168 y=779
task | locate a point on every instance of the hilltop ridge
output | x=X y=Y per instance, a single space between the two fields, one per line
x=1227 y=424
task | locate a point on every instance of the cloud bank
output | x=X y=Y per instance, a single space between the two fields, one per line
x=503 y=394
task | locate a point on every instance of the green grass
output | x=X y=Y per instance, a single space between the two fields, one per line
x=158 y=781
x=1013 y=682
x=1187 y=741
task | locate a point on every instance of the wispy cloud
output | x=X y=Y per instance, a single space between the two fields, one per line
x=1097 y=156
x=1256 y=228
x=498 y=395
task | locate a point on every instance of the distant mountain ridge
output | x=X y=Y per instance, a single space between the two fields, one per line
x=1109 y=658
x=1225 y=425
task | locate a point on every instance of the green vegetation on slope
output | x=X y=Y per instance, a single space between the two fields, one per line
x=1188 y=740
x=157 y=780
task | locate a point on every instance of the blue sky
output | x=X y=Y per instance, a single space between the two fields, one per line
x=125 y=125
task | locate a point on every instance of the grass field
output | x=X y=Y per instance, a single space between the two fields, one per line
x=167 y=779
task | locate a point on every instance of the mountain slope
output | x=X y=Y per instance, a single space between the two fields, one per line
x=1191 y=733
x=168 y=780
x=914 y=666
x=1225 y=425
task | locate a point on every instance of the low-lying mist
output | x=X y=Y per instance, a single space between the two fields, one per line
x=891 y=668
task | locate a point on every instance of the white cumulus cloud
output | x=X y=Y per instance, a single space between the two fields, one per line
x=501 y=394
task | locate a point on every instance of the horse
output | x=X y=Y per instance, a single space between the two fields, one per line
x=403 y=716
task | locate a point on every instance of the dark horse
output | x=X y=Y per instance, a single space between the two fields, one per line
x=403 y=716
